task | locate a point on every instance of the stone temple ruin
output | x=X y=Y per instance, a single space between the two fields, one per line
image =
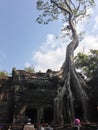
x=25 y=95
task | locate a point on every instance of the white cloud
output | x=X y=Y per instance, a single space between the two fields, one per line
x=27 y=64
x=96 y=23
x=54 y=58
x=50 y=55
x=89 y=42
x=81 y=26
x=50 y=42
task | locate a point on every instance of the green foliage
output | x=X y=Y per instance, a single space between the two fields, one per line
x=56 y=9
x=87 y=63
x=3 y=74
x=51 y=10
x=47 y=10
x=30 y=69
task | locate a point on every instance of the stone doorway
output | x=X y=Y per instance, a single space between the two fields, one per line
x=48 y=115
x=78 y=112
x=31 y=113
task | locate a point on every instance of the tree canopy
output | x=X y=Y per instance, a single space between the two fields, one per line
x=87 y=63
x=51 y=10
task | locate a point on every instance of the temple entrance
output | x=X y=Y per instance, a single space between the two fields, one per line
x=31 y=113
x=48 y=115
x=78 y=112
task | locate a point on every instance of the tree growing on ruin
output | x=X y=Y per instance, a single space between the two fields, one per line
x=3 y=74
x=30 y=69
x=71 y=11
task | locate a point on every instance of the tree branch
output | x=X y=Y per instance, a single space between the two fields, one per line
x=78 y=7
x=82 y=12
x=69 y=11
x=60 y=7
x=72 y=4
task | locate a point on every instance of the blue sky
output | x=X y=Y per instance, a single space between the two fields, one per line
x=23 y=42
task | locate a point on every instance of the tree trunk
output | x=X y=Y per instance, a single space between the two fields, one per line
x=65 y=100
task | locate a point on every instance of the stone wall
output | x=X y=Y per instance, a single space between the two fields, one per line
x=24 y=92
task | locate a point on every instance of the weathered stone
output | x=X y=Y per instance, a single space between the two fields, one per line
x=23 y=92
x=26 y=95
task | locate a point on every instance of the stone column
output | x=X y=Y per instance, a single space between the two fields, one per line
x=41 y=114
x=38 y=118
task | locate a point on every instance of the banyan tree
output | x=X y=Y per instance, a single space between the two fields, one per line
x=72 y=88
